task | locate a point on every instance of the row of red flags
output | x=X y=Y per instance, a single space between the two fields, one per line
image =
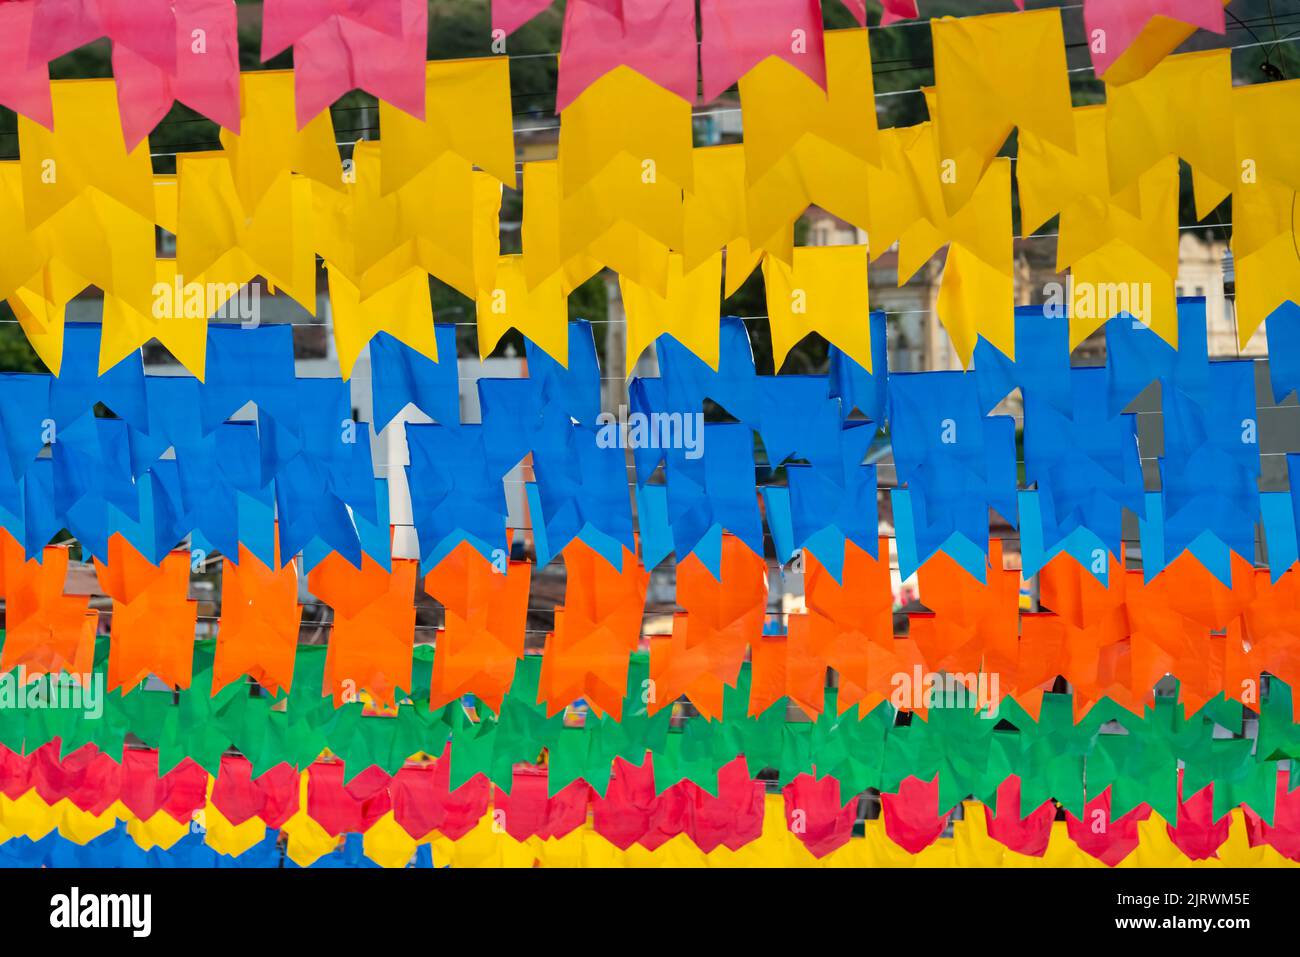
x=631 y=812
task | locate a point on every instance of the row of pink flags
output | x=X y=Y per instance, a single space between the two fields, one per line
x=187 y=50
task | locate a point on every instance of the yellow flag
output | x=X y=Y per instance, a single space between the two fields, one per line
x=331 y=225
x=825 y=291
x=467 y=112
x=161 y=830
x=819 y=174
x=178 y=319
x=444 y=221
x=623 y=114
x=741 y=261
x=806 y=146
x=1267 y=177
x=402 y=309
x=21 y=256
x=689 y=312
x=625 y=222
x=218 y=243
x=40 y=307
x=977 y=293
x=906 y=203
x=714 y=216
x=783 y=108
x=104 y=243
x=1264 y=206
x=1093 y=212
x=269 y=143
x=1268 y=151
x=1119 y=278
x=1182 y=108
x=227 y=838
x=540 y=313
x=81 y=826
x=308 y=841
x=1053 y=180
x=972 y=297
x=84 y=151
x=166 y=194
x=994 y=73
x=541 y=231
x=1086 y=228
x=387 y=843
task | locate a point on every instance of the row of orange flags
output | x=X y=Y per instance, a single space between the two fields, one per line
x=1114 y=640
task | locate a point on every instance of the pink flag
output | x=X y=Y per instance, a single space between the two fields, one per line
x=60 y=26
x=739 y=34
x=24 y=84
x=1121 y=21
x=205 y=75
x=147 y=27
x=654 y=37
x=896 y=10
x=286 y=22
x=344 y=54
x=509 y=15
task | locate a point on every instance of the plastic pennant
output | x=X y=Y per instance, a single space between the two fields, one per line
x=738 y=35
x=994 y=73
x=373 y=636
x=85 y=151
x=1183 y=108
x=596 y=629
x=269 y=144
x=824 y=292
x=483 y=635
x=401 y=310
x=540 y=312
x=153 y=620
x=258 y=630
x=466 y=106
x=345 y=53
x=688 y=312
x=656 y=38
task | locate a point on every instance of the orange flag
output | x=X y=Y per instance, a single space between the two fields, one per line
x=46 y=630
x=373 y=640
x=1044 y=638
x=975 y=624
x=153 y=620
x=486 y=617
x=721 y=618
x=1084 y=640
x=1174 y=619
x=596 y=630
x=851 y=625
x=257 y=634
x=1266 y=638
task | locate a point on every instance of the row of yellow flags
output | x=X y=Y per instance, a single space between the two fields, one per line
x=630 y=192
